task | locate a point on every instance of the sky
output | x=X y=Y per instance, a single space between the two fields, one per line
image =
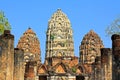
x=84 y=15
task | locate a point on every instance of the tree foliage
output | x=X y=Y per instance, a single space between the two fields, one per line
x=4 y=24
x=114 y=27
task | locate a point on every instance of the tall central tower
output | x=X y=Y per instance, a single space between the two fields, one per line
x=59 y=41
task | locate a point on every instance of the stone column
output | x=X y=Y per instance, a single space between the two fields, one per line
x=18 y=64
x=30 y=71
x=97 y=68
x=106 y=63
x=6 y=56
x=116 y=56
x=35 y=72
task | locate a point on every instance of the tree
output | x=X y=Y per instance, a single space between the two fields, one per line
x=114 y=27
x=4 y=24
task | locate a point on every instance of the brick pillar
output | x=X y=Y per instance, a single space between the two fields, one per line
x=97 y=68
x=30 y=71
x=18 y=64
x=106 y=63
x=116 y=56
x=6 y=56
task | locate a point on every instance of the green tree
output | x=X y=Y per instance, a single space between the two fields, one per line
x=4 y=24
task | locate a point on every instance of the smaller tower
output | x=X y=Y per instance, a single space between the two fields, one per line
x=31 y=46
x=90 y=47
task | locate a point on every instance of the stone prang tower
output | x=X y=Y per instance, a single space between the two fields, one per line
x=59 y=36
x=31 y=47
x=90 y=47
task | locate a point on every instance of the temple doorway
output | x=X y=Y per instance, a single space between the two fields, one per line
x=42 y=77
x=80 y=78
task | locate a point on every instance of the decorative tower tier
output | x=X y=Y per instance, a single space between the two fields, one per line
x=31 y=46
x=59 y=42
x=90 y=47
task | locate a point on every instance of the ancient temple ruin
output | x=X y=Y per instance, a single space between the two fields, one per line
x=24 y=62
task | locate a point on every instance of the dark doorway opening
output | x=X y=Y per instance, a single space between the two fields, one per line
x=80 y=78
x=42 y=77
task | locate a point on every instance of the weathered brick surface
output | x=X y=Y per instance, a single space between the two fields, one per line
x=116 y=56
x=116 y=45
x=31 y=46
x=105 y=54
x=60 y=62
x=18 y=64
x=6 y=56
x=90 y=47
x=30 y=71
x=106 y=63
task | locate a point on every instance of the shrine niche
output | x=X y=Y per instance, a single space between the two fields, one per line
x=59 y=31
x=59 y=54
x=79 y=69
x=42 y=69
x=59 y=37
x=60 y=45
x=92 y=59
x=60 y=68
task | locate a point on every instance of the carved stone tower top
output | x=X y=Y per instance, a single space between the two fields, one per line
x=59 y=34
x=59 y=19
x=90 y=47
x=31 y=46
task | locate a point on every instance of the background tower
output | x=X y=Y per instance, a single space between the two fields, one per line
x=31 y=46
x=90 y=47
x=59 y=40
